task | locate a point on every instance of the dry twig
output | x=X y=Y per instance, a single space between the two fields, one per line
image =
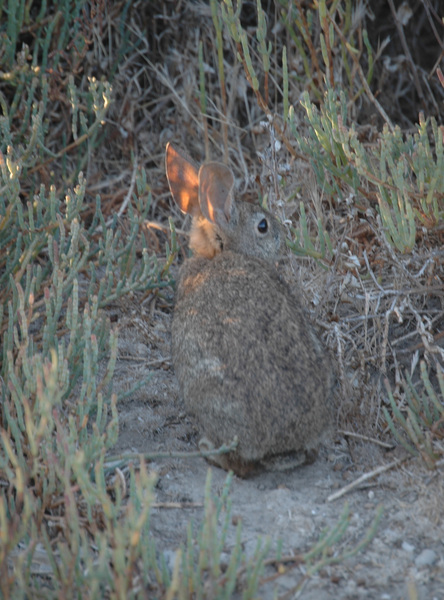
x=365 y=477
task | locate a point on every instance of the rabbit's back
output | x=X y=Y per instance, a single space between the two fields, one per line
x=247 y=360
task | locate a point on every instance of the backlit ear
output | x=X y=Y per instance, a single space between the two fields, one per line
x=183 y=180
x=216 y=183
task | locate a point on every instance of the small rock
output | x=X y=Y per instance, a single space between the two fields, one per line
x=224 y=560
x=408 y=547
x=426 y=558
x=350 y=588
x=170 y=557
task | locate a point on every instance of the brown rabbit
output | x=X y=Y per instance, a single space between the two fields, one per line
x=248 y=361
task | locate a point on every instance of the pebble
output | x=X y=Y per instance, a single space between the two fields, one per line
x=426 y=558
x=170 y=557
x=224 y=560
x=408 y=547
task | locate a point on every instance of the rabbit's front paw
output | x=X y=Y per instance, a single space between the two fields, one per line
x=218 y=460
x=229 y=461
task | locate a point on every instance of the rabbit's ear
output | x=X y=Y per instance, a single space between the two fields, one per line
x=183 y=180
x=216 y=183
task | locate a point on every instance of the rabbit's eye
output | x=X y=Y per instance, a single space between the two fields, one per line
x=263 y=226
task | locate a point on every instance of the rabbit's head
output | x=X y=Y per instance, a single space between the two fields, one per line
x=218 y=222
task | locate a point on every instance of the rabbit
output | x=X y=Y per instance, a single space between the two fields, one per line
x=248 y=362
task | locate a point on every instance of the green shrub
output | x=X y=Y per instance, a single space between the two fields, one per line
x=404 y=174
x=418 y=422
x=401 y=175
x=61 y=264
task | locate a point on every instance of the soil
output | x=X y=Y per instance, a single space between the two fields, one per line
x=405 y=559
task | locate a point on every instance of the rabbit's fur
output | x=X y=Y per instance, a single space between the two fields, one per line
x=248 y=362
